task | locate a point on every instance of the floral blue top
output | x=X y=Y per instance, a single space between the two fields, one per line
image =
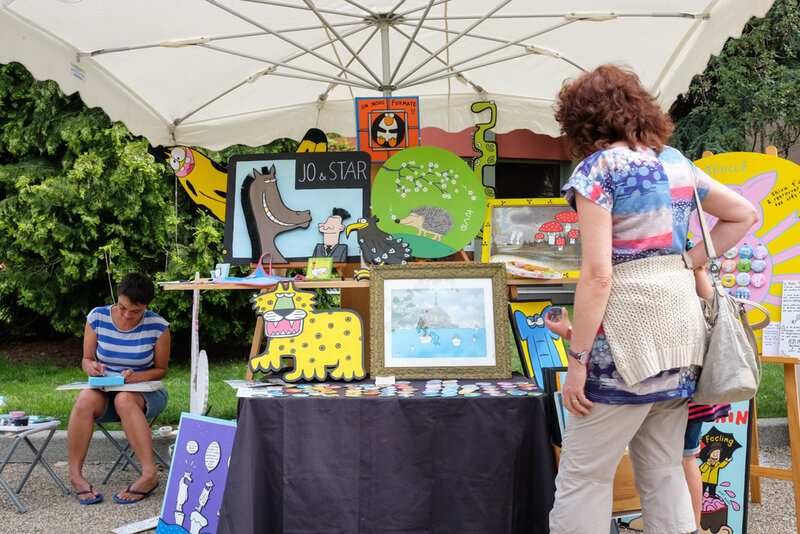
x=650 y=199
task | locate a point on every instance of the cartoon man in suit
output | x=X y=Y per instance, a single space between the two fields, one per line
x=331 y=229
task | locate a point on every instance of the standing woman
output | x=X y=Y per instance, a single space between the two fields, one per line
x=638 y=333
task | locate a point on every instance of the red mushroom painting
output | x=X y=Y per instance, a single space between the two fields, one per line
x=567 y=218
x=573 y=235
x=538 y=238
x=550 y=229
x=560 y=242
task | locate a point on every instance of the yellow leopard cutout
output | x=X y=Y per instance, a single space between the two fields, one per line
x=322 y=343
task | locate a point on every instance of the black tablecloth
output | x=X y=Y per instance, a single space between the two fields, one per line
x=375 y=465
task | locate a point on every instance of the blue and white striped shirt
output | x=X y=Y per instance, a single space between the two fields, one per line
x=132 y=349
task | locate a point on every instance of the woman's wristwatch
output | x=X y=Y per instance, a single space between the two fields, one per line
x=582 y=356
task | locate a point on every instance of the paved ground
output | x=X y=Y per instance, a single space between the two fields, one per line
x=49 y=510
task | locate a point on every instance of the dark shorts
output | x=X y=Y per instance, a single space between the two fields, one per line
x=691 y=439
x=154 y=404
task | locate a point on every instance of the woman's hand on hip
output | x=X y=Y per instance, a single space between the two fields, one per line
x=573 y=397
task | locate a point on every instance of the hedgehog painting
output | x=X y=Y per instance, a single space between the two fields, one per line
x=429 y=221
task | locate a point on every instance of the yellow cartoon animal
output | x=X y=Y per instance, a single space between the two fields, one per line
x=322 y=343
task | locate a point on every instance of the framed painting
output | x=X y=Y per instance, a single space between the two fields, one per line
x=534 y=237
x=439 y=321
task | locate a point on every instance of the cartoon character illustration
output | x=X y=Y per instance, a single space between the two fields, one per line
x=319 y=271
x=204 y=180
x=314 y=140
x=429 y=220
x=331 y=231
x=378 y=247
x=483 y=144
x=322 y=343
x=183 y=496
x=197 y=519
x=267 y=215
x=540 y=342
x=456 y=340
x=710 y=466
x=388 y=130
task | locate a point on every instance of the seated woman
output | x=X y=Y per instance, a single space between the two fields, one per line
x=124 y=339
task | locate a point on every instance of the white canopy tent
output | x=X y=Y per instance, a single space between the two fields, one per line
x=213 y=73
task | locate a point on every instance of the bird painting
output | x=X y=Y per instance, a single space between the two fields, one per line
x=378 y=247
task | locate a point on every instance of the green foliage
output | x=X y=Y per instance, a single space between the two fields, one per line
x=746 y=98
x=82 y=203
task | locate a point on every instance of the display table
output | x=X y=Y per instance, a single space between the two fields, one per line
x=374 y=464
x=21 y=434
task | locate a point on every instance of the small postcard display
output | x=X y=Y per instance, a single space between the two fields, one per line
x=724 y=461
x=439 y=321
x=429 y=198
x=323 y=344
x=294 y=206
x=319 y=269
x=197 y=477
x=533 y=237
x=387 y=125
x=538 y=347
x=768 y=255
x=790 y=320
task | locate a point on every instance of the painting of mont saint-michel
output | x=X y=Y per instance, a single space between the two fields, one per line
x=439 y=322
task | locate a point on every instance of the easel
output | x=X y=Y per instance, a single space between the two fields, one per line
x=793 y=413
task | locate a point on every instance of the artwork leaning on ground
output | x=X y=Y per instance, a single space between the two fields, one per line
x=197 y=477
x=724 y=461
x=322 y=344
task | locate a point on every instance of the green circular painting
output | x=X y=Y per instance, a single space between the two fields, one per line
x=431 y=199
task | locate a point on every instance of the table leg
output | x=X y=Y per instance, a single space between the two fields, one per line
x=3 y=483
x=755 y=480
x=41 y=460
x=793 y=413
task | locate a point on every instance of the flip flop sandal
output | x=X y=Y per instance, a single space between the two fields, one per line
x=144 y=494
x=89 y=501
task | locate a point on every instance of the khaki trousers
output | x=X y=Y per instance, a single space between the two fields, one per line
x=593 y=447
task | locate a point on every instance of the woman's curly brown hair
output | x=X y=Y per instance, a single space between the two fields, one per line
x=607 y=105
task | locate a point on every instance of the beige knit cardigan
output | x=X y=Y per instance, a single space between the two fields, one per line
x=653 y=321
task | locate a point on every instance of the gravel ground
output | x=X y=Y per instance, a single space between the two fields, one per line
x=49 y=510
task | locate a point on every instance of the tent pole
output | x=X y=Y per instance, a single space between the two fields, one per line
x=387 y=74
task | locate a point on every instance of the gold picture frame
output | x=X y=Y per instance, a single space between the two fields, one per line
x=439 y=320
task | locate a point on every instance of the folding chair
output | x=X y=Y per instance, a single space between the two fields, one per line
x=125 y=456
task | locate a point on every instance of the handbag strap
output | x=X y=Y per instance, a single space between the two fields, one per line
x=711 y=256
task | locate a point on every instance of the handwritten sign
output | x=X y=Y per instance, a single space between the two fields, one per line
x=334 y=170
x=790 y=320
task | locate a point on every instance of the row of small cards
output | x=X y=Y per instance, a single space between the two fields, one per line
x=401 y=389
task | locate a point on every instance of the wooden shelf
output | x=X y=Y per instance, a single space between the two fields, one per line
x=206 y=283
